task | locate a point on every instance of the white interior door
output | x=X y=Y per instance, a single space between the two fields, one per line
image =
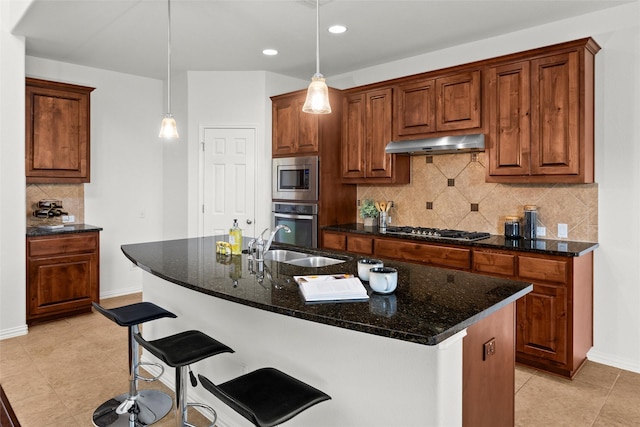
x=229 y=166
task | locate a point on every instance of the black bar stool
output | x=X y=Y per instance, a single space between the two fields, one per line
x=180 y=351
x=267 y=396
x=137 y=407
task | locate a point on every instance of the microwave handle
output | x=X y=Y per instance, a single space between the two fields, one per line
x=292 y=216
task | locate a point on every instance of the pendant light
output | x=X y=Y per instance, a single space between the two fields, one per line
x=317 y=101
x=168 y=129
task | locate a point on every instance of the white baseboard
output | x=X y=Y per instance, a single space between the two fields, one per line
x=121 y=292
x=612 y=360
x=13 y=332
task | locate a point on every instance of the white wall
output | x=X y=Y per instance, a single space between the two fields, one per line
x=125 y=193
x=617 y=266
x=12 y=180
x=233 y=98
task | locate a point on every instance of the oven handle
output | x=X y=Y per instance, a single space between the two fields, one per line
x=292 y=216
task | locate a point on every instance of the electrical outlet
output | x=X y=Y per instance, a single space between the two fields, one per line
x=489 y=349
x=563 y=231
x=541 y=231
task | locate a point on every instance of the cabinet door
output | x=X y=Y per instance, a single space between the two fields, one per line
x=359 y=244
x=414 y=108
x=57 y=132
x=542 y=323
x=378 y=127
x=334 y=241
x=509 y=120
x=458 y=101
x=61 y=284
x=353 y=137
x=555 y=119
x=294 y=132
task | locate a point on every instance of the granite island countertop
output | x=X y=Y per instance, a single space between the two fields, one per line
x=566 y=248
x=429 y=305
x=66 y=229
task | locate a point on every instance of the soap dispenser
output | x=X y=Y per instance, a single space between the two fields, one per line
x=235 y=238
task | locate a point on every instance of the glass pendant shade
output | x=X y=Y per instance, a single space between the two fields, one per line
x=317 y=101
x=168 y=129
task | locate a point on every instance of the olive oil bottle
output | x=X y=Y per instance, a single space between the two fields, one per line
x=235 y=238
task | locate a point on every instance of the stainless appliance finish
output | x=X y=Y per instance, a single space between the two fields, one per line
x=440 y=145
x=301 y=218
x=436 y=233
x=295 y=178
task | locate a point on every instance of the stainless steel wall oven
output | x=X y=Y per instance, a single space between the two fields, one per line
x=301 y=218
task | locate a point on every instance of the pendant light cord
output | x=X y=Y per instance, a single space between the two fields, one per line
x=317 y=36
x=169 y=56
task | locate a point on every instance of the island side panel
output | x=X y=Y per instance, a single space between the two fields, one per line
x=489 y=371
x=373 y=380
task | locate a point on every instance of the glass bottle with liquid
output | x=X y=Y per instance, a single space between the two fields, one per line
x=235 y=238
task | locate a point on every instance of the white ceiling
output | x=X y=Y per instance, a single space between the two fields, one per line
x=130 y=35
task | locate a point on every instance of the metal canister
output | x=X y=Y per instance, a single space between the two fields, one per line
x=530 y=221
x=512 y=227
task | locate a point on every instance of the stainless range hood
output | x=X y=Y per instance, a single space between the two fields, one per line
x=441 y=145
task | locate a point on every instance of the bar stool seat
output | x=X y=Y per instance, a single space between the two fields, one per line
x=179 y=351
x=137 y=407
x=267 y=396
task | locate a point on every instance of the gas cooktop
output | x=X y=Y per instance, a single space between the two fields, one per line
x=438 y=233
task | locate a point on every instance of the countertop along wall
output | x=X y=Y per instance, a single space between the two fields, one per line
x=617 y=154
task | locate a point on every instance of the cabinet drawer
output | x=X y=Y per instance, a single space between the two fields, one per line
x=494 y=263
x=439 y=256
x=57 y=245
x=334 y=241
x=363 y=245
x=547 y=270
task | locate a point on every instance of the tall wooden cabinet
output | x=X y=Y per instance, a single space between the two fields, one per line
x=57 y=132
x=541 y=115
x=366 y=131
x=63 y=275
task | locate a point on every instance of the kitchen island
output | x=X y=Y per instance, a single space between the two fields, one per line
x=392 y=360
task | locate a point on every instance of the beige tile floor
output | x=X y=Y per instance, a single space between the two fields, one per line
x=59 y=372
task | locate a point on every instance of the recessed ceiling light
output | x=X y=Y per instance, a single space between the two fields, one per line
x=270 y=52
x=337 y=29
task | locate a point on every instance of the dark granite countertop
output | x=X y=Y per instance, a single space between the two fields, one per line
x=542 y=246
x=429 y=305
x=71 y=228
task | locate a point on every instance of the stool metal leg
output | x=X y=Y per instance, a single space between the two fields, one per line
x=181 y=400
x=138 y=408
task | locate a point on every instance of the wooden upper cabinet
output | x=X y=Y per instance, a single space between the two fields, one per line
x=294 y=132
x=458 y=105
x=509 y=119
x=57 y=140
x=366 y=131
x=541 y=116
x=438 y=104
x=414 y=106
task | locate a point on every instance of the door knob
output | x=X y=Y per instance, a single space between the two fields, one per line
x=249 y=221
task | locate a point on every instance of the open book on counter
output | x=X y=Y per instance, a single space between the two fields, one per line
x=332 y=287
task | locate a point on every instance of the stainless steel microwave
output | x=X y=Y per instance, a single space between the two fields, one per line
x=295 y=178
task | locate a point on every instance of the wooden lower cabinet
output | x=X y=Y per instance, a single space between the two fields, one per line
x=554 y=322
x=435 y=255
x=62 y=275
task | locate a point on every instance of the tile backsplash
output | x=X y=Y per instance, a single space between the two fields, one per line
x=71 y=195
x=449 y=191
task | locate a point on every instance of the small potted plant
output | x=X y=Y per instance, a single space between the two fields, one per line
x=368 y=212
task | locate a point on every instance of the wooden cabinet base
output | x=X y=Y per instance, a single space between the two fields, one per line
x=488 y=371
x=62 y=275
